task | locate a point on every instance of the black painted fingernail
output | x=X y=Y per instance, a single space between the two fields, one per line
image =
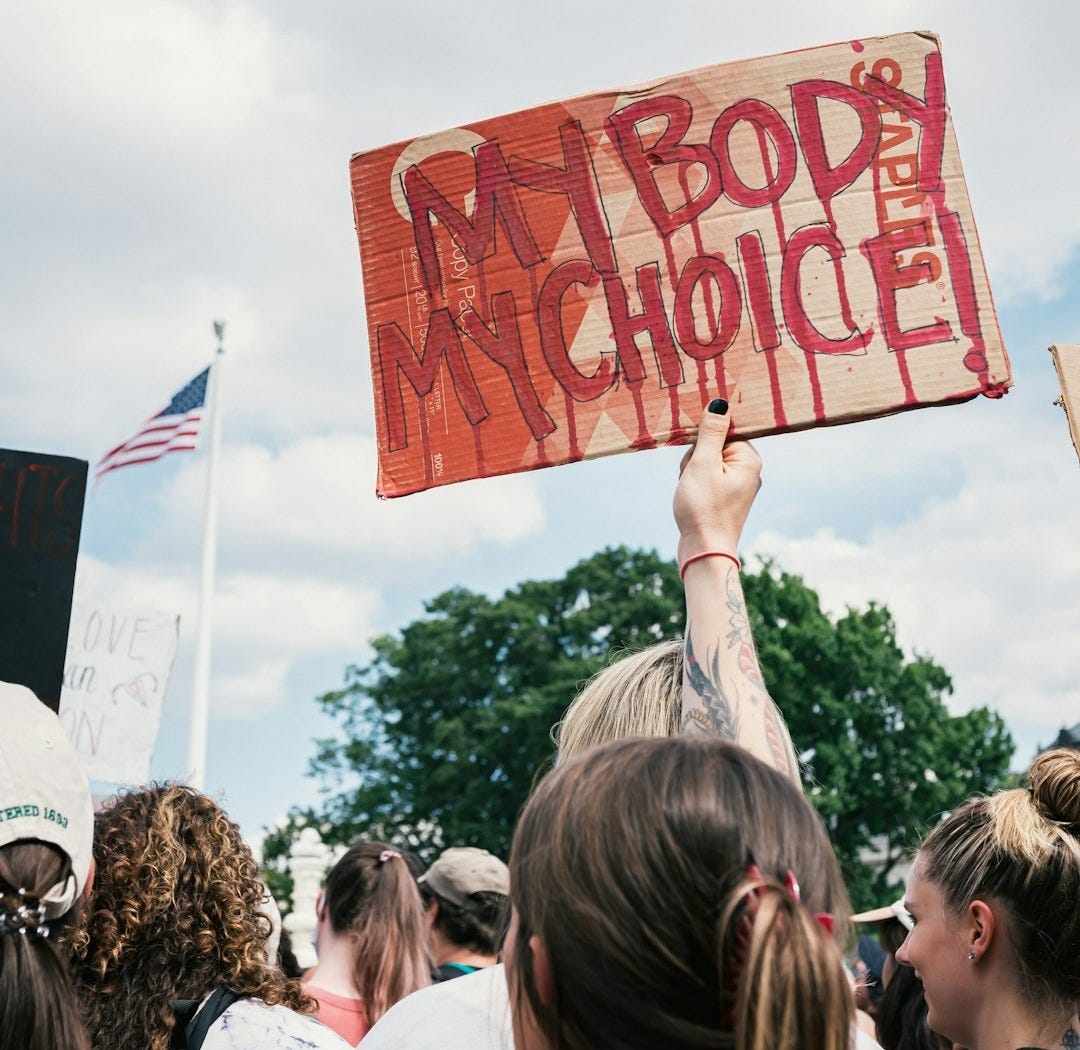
x=718 y=406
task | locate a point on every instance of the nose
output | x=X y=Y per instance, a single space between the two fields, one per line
x=902 y=952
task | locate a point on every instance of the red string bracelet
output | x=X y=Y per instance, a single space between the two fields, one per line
x=708 y=554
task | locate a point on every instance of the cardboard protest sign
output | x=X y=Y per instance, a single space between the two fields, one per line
x=115 y=679
x=1067 y=364
x=579 y=279
x=41 y=508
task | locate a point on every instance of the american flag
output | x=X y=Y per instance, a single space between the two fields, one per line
x=174 y=429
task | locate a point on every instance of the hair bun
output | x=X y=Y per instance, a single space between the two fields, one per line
x=1054 y=778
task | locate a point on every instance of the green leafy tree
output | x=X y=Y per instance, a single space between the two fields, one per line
x=445 y=731
x=882 y=756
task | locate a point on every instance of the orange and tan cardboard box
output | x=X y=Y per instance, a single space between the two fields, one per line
x=792 y=233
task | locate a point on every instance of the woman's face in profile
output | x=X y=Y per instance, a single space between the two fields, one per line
x=937 y=950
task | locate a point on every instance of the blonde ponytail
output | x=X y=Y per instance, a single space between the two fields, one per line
x=781 y=972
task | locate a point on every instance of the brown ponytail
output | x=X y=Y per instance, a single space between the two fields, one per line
x=782 y=973
x=630 y=863
x=38 y=1007
x=372 y=897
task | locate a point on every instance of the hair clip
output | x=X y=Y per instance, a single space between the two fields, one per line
x=740 y=943
x=792 y=884
x=388 y=854
x=26 y=919
x=823 y=918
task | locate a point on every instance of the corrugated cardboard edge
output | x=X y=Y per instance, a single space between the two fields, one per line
x=387 y=487
x=1067 y=363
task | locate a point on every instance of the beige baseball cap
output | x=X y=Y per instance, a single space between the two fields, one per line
x=464 y=870
x=44 y=793
x=896 y=910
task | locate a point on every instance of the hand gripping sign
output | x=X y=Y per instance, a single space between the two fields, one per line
x=792 y=233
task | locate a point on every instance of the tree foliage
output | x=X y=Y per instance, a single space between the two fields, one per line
x=446 y=729
x=882 y=756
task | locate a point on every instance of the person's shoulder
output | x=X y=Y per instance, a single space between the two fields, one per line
x=250 y=1024
x=467 y=1013
x=861 y=1041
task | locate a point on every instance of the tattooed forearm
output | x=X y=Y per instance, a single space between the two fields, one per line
x=739 y=636
x=724 y=692
x=713 y=711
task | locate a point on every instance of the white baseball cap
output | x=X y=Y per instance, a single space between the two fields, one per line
x=896 y=910
x=44 y=793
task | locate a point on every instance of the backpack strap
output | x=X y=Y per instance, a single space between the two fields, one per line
x=183 y=1012
x=192 y=1024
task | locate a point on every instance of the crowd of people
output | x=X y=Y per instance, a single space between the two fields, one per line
x=669 y=885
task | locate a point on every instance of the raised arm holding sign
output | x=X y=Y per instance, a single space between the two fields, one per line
x=724 y=693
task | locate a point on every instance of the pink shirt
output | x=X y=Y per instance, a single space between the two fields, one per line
x=345 y=1015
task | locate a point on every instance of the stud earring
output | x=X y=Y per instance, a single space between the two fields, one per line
x=971 y=955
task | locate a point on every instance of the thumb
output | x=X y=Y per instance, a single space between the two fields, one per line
x=713 y=428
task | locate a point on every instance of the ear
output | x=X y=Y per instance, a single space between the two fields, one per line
x=543 y=972
x=981 y=928
x=431 y=914
x=320 y=910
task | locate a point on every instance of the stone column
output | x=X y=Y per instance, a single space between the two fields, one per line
x=308 y=860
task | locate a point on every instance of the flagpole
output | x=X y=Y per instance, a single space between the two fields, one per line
x=200 y=699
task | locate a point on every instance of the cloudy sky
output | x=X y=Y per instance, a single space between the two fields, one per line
x=168 y=163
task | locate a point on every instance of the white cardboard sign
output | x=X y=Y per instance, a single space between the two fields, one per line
x=115 y=677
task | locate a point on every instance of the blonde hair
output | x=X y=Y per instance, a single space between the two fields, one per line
x=1022 y=847
x=656 y=874
x=639 y=694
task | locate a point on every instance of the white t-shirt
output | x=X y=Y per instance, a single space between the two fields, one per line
x=465 y=1013
x=468 y=1013
x=250 y=1024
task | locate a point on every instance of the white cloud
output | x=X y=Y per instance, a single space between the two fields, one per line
x=307 y=556
x=144 y=67
x=1010 y=69
x=311 y=508
x=134 y=588
x=263 y=625
x=984 y=580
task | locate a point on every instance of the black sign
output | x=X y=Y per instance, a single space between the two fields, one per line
x=41 y=508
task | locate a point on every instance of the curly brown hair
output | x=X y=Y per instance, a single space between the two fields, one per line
x=174 y=914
